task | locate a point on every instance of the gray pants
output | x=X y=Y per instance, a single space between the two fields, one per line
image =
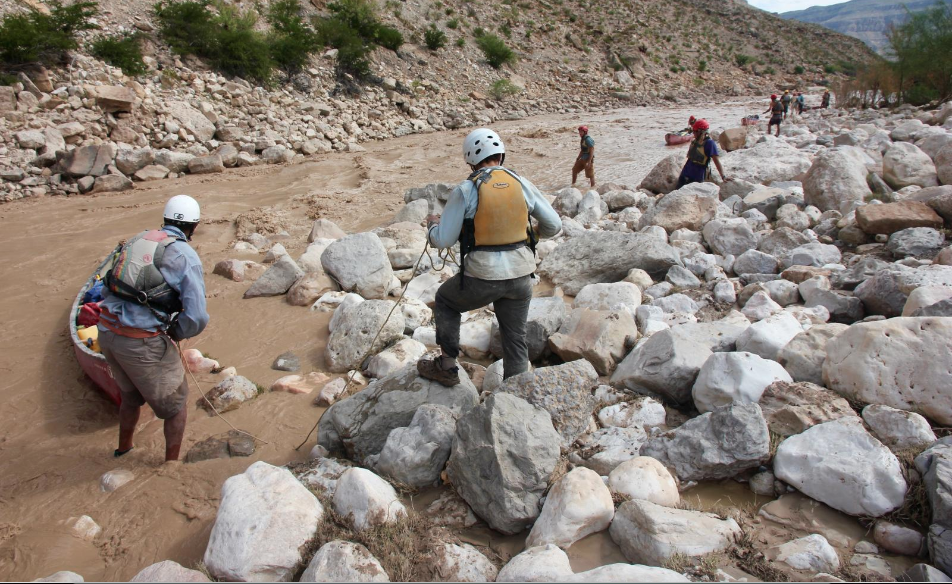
x=511 y=300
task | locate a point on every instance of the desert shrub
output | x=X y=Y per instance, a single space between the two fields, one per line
x=121 y=51
x=435 y=38
x=228 y=40
x=742 y=59
x=292 y=39
x=798 y=70
x=34 y=37
x=389 y=37
x=503 y=88
x=495 y=50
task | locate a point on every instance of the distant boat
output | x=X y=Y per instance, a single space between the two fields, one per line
x=750 y=120
x=675 y=138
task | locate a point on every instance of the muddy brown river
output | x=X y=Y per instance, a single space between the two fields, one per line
x=57 y=431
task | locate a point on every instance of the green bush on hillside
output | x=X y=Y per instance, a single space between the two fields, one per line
x=389 y=37
x=35 y=37
x=435 y=38
x=292 y=40
x=798 y=70
x=503 y=88
x=229 y=40
x=742 y=59
x=495 y=50
x=353 y=29
x=121 y=51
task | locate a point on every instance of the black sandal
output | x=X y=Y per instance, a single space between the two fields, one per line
x=117 y=453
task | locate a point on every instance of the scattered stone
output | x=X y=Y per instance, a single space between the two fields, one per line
x=351 y=338
x=804 y=355
x=366 y=500
x=733 y=439
x=169 y=571
x=344 y=561
x=230 y=393
x=547 y=563
x=791 y=408
x=651 y=534
x=299 y=384
x=811 y=553
x=736 y=377
x=359 y=263
x=894 y=217
x=600 y=337
x=578 y=505
x=897 y=539
x=277 y=279
x=112 y=480
x=646 y=479
x=564 y=391
x=231 y=443
x=286 y=361
x=416 y=455
x=898 y=429
x=605 y=449
x=463 y=563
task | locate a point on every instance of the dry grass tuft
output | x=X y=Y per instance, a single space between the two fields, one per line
x=404 y=548
x=678 y=563
x=201 y=567
x=851 y=573
x=915 y=509
x=745 y=555
x=775 y=440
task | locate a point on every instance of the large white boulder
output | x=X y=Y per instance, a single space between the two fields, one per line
x=684 y=208
x=579 y=504
x=395 y=357
x=366 y=499
x=344 y=561
x=904 y=164
x=842 y=465
x=804 y=355
x=642 y=412
x=737 y=377
x=904 y=363
x=264 y=518
x=730 y=236
x=605 y=449
x=836 y=179
x=768 y=161
x=651 y=534
x=359 y=263
x=644 y=478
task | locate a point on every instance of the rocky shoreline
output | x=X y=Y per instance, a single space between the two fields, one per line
x=788 y=330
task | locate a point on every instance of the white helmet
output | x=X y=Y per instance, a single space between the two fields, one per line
x=182 y=208
x=480 y=145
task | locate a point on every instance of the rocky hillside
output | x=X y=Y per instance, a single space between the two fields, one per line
x=87 y=127
x=867 y=20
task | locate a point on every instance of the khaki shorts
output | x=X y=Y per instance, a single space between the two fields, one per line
x=147 y=371
x=580 y=165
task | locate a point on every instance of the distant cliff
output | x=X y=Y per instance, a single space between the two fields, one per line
x=867 y=20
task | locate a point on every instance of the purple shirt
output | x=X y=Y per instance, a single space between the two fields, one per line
x=696 y=172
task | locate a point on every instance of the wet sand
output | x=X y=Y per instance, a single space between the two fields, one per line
x=57 y=432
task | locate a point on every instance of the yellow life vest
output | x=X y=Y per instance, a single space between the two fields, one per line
x=501 y=222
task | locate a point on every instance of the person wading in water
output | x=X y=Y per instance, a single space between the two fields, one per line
x=586 y=157
x=154 y=296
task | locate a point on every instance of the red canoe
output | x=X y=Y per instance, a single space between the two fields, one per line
x=93 y=363
x=673 y=139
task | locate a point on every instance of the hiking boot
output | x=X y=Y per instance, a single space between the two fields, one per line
x=431 y=369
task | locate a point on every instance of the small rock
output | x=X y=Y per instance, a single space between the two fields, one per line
x=114 y=479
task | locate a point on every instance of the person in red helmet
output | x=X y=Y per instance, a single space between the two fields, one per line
x=701 y=153
x=776 y=113
x=586 y=157
x=690 y=128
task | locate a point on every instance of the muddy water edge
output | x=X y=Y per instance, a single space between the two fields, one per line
x=57 y=432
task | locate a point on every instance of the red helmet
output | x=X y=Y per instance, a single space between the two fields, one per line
x=691 y=120
x=583 y=128
x=774 y=96
x=701 y=125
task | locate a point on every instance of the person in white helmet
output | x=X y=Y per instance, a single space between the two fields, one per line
x=489 y=214
x=153 y=297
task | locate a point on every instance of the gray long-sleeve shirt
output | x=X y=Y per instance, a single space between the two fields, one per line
x=493 y=265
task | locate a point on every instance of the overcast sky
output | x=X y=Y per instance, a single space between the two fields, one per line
x=788 y=5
